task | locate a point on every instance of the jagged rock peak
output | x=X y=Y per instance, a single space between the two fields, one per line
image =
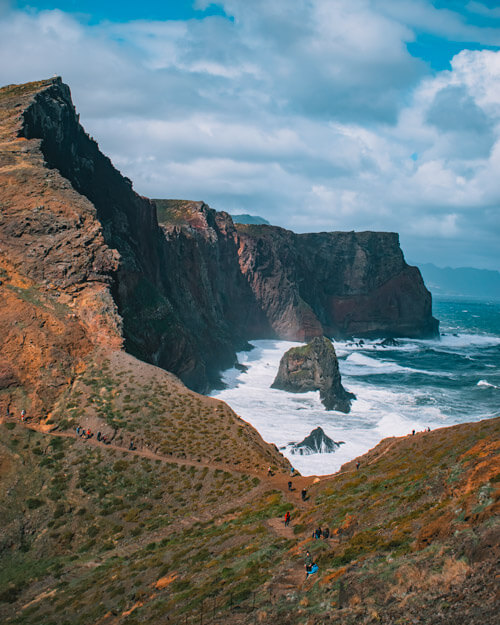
x=317 y=442
x=314 y=367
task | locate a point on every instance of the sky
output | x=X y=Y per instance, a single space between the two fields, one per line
x=317 y=115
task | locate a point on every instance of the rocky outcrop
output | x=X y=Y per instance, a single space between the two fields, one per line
x=317 y=442
x=314 y=367
x=340 y=284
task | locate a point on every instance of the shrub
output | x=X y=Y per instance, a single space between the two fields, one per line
x=34 y=503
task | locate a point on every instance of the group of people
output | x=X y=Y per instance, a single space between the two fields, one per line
x=318 y=533
x=87 y=433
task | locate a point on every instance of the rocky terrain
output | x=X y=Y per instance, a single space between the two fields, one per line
x=314 y=367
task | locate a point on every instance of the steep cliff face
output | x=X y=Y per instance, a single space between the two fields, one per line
x=314 y=367
x=334 y=283
x=203 y=281
x=165 y=282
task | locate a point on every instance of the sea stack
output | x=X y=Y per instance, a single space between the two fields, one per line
x=317 y=442
x=314 y=367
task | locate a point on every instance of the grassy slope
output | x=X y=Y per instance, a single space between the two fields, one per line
x=93 y=532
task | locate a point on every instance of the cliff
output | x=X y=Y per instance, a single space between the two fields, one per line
x=172 y=287
x=340 y=284
x=187 y=290
x=314 y=367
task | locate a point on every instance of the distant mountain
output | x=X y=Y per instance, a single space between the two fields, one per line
x=249 y=219
x=461 y=282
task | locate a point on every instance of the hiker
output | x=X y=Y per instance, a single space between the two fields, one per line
x=131 y=446
x=287 y=518
x=326 y=533
x=289 y=486
x=357 y=465
x=308 y=559
x=269 y=472
x=99 y=436
x=78 y=428
x=89 y=434
x=23 y=415
x=104 y=439
x=317 y=533
x=292 y=471
x=314 y=569
x=304 y=494
x=309 y=564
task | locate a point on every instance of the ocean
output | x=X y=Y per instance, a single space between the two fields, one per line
x=411 y=386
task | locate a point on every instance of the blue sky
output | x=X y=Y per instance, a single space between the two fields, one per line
x=127 y=10
x=318 y=115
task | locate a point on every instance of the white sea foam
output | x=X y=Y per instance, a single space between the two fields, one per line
x=486 y=384
x=282 y=417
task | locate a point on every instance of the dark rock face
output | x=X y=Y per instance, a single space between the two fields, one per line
x=336 y=283
x=185 y=293
x=178 y=288
x=317 y=442
x=314 y=367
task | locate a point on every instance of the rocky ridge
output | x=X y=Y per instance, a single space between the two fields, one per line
x=314 y=367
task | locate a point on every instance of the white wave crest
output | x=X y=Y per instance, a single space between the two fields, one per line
x=486 y=384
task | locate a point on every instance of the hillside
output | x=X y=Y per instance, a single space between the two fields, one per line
x=462 y=281
x=96 y=533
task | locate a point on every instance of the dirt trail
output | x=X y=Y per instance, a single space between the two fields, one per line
x=277 y=481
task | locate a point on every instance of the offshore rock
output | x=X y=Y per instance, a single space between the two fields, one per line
x=314 y=367
x=317 y=442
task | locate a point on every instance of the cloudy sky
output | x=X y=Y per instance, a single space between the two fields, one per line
x=315 y=114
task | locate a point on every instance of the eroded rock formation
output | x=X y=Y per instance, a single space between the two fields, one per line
x=314 y=367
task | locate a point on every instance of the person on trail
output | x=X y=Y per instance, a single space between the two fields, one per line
x=78 y=429
x=23 y=415
x=289 y=486
x=104 y=439
x=304 y=494
x=287 y=518
x=269 y=472
x=292 y=471
x=99 y=436
x=317 y=533
x=357 y=465
x=308 y=561
x=89 y=434
x=131 y=446
x=326 y=533
x=313 y=569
